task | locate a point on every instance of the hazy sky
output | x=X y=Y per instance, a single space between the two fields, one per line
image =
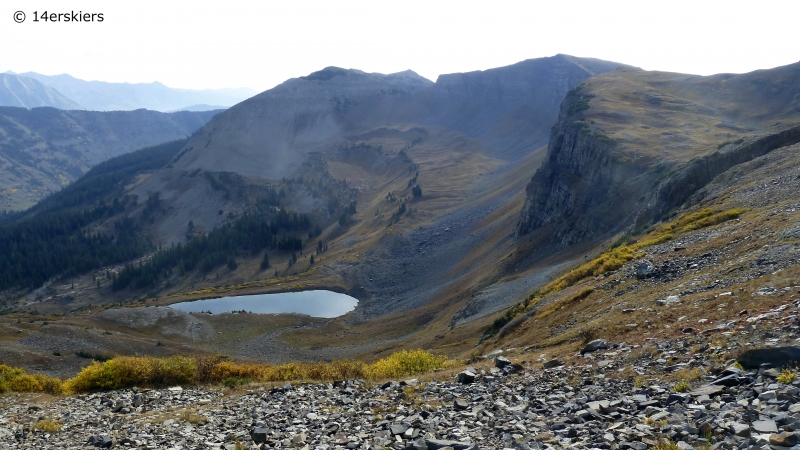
x=258 y=44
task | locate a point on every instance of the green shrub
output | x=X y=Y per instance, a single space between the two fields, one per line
x=233 y=382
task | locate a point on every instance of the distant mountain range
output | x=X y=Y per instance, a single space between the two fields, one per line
x=45 y=149
x=30 y=93
x=64 y=91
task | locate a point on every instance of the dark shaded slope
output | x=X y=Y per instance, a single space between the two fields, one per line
x=44 y=149
x=510 y=108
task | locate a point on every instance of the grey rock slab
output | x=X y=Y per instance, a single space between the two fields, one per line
x=765 y=426
x=438 y=444
x=399 y=428
x=708 y=389
x=740 y=429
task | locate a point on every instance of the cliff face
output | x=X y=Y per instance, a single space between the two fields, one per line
x=576 y=192
x=631 y=146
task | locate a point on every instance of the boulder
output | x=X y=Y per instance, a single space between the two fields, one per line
x=460 y=404
x=785 y=439
x=672 y=299
x=775 y=357
x=466 y=377
x=501 y=361
x=645 y=270
x=553 y=363
x=595 y=345
x=259 y=434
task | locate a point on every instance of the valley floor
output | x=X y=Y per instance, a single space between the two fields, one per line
x=682 y=393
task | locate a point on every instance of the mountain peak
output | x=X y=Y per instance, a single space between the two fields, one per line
x=326 y=74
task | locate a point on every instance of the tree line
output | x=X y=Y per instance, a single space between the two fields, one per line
x=247 y=233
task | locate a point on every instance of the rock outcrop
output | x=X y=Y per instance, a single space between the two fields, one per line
x=631 y=146
x=580 y=180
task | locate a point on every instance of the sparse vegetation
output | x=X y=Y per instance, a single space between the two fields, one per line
x=666 y=444
x=736 y=142
x=787 y=376
x=47 y=425
x=615 y=258
x=682 y=386
x=127 y=371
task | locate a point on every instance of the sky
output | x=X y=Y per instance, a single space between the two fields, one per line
x=258 y=44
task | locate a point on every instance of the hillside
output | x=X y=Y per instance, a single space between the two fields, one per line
x=408 y=195
x=27 y=92
x=105 y=96
x=44 y=149
x=466 y=140
x=345 y=151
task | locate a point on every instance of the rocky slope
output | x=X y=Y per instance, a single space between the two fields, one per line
x=27 y=92
x=634 y=145
x=685 y=392
x=43 y=149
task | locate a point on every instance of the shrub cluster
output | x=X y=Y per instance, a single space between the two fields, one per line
x=15 y=379
x=128 y=371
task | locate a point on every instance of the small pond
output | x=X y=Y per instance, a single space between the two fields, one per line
x=325 y=304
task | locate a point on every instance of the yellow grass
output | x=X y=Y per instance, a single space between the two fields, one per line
x=126 y=371
x=47 y=425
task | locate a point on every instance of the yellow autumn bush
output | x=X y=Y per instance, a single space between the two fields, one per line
x=128 y=371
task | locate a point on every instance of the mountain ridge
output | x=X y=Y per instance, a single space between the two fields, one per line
x=26 y=92
x=107 y=96
x=43 y=149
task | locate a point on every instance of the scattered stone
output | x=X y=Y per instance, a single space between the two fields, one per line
x=579 y=406
x=460 y=404
x=101 y=441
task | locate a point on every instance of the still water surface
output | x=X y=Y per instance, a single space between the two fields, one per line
x=314 y=303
